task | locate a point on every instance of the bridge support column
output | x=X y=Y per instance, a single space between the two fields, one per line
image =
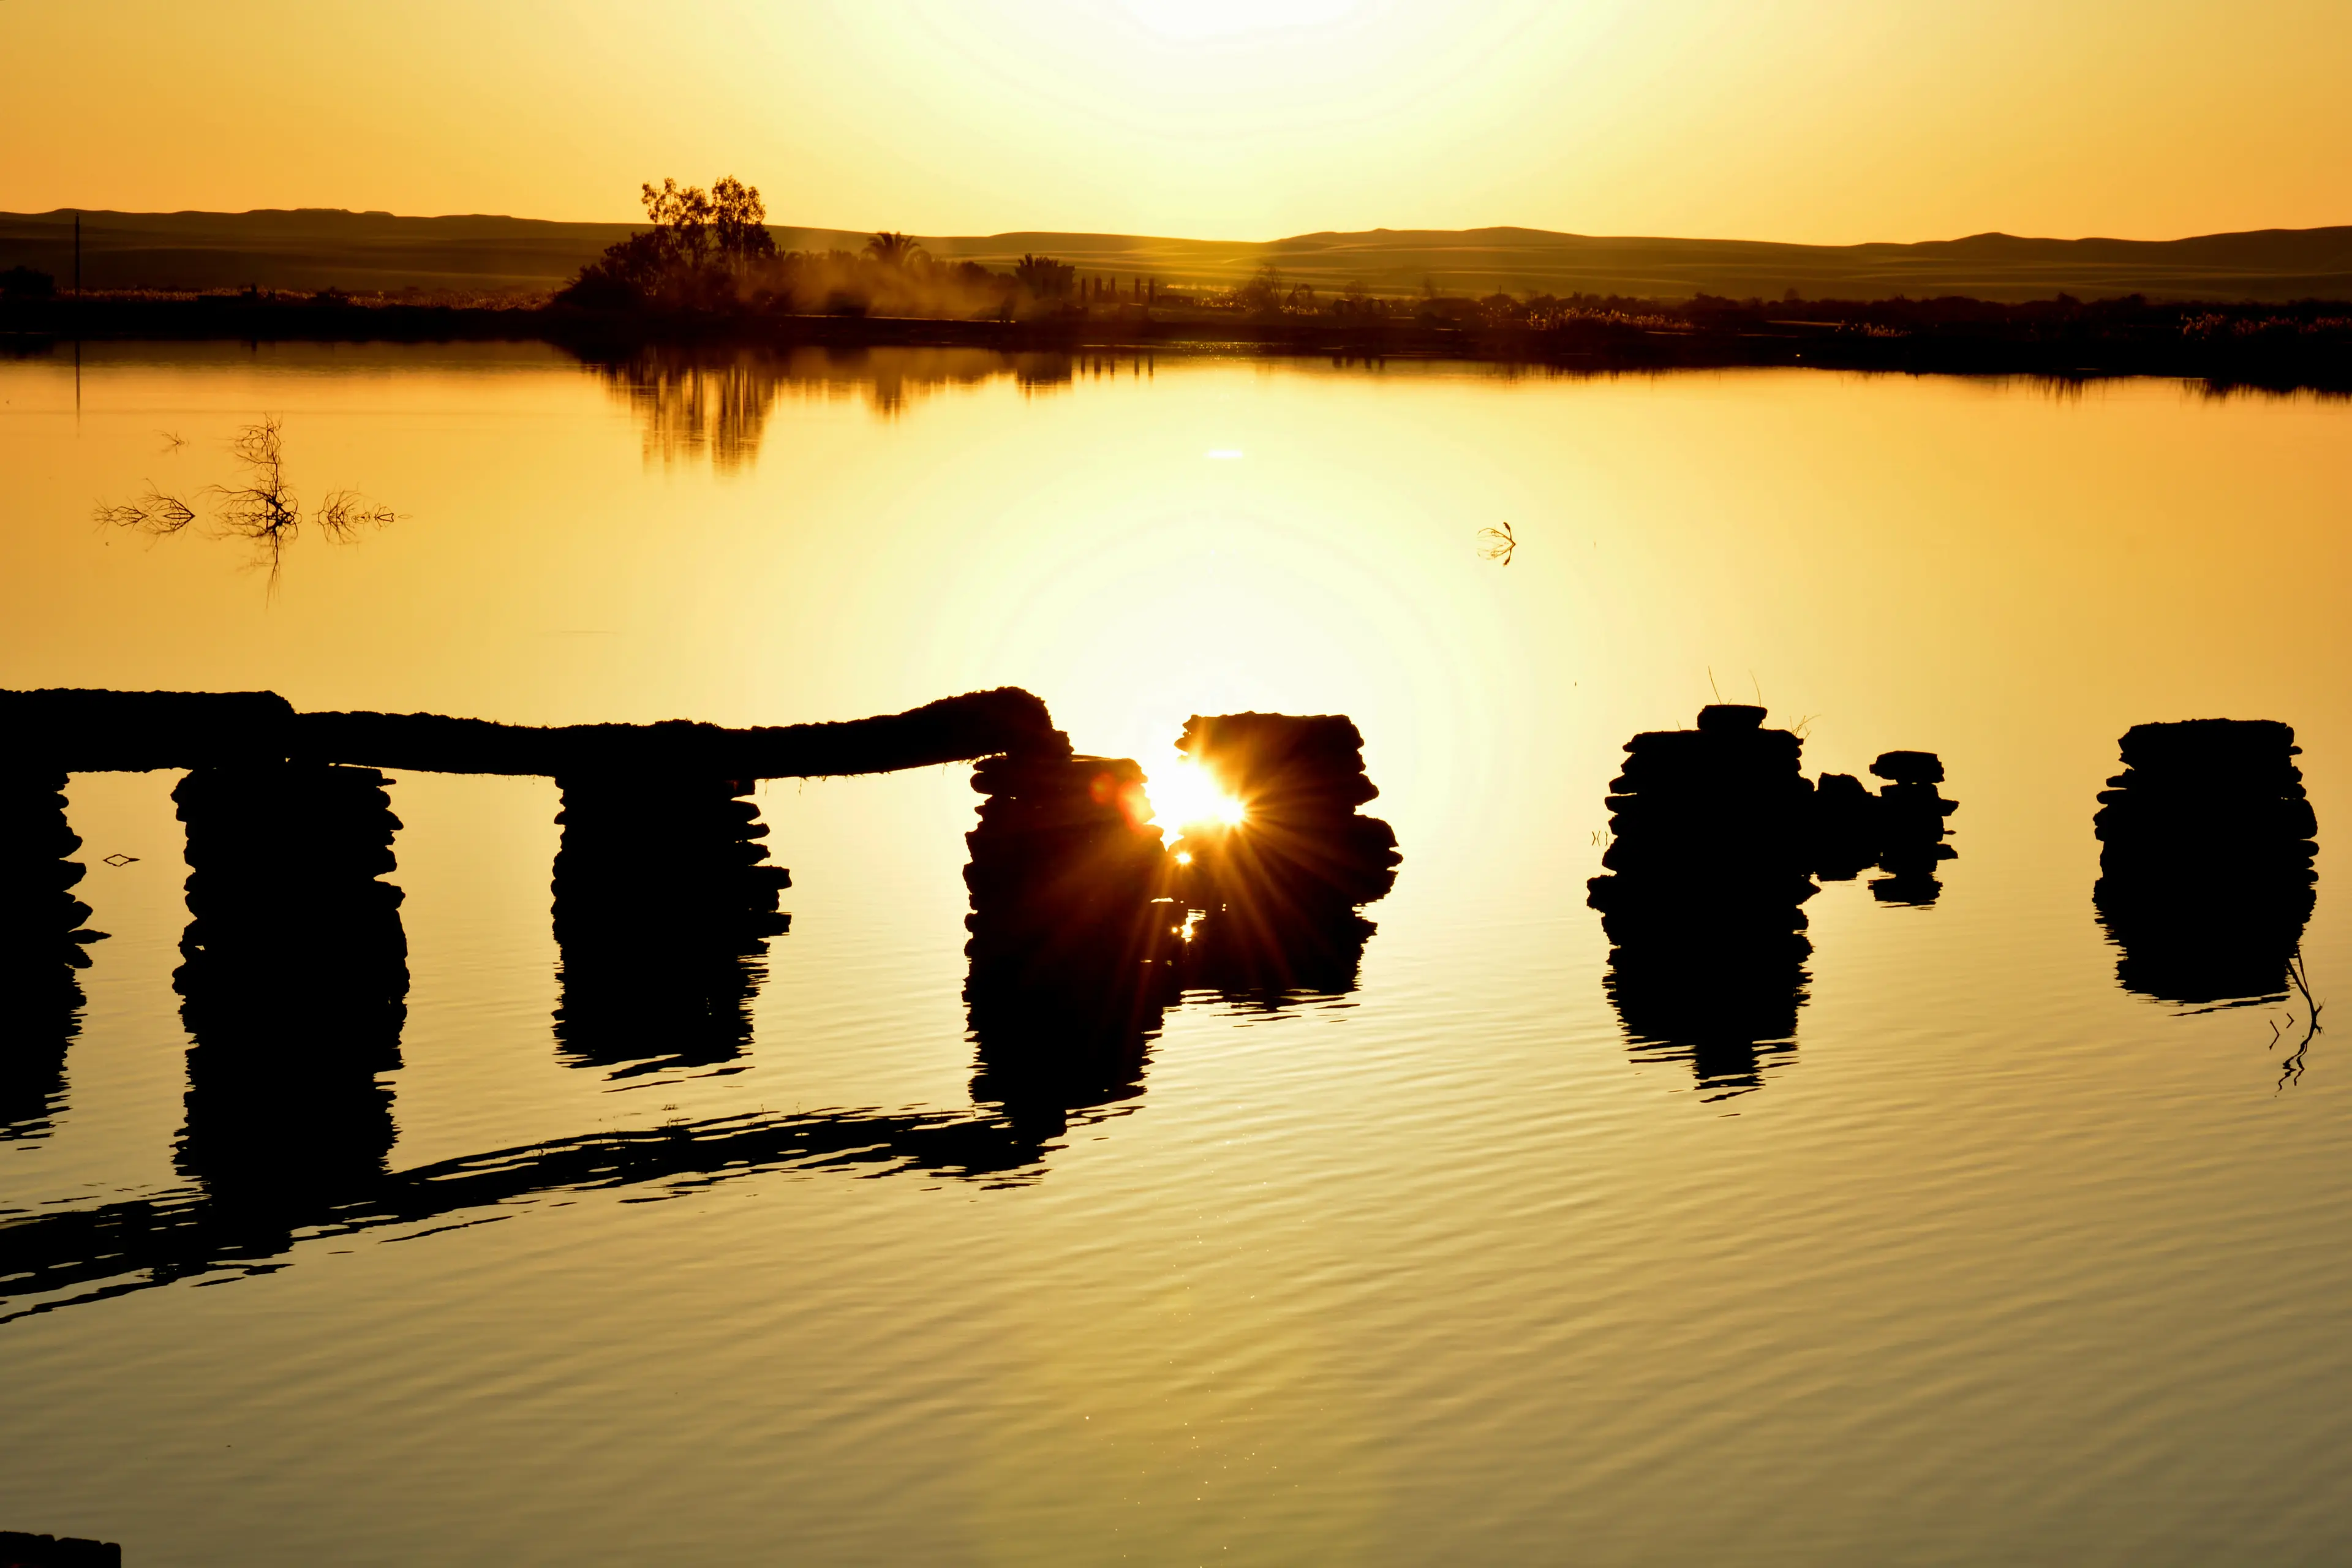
x=664 y=904
x=42 y=937
x=294 y=982
x=1073 y=935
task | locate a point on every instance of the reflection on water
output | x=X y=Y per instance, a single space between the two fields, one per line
x=2206 y=878
x=89 y=1254
x=664 y=906
x=693 y=403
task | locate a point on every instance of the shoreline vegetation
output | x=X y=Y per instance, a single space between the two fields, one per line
x=706 y=271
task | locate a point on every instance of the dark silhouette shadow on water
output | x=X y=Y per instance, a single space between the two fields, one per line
x=43 y=939
x=1716 y=838
x=664 y=906
x=2206 y=875
x=293 y=982
x=112 y=1250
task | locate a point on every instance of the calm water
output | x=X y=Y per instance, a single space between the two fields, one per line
x=1997 y=1261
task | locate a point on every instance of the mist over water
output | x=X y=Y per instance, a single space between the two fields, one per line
x=2000 y=1242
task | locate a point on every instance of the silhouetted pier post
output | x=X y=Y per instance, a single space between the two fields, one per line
x=664 y=901
x=2207 y=844
x=1280 y=888
x=294 y=978
x=1703 y=905
x=1900 y=829
x=1072 y=932
x=42 y=934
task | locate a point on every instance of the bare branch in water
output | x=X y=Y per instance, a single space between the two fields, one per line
x=153 y=512
x=344 y=513
x=263 y=510
x=259 y=446
x=2291 y=1069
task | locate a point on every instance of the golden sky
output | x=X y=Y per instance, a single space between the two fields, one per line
x=1820 y=121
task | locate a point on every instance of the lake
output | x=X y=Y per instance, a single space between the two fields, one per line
x=1990 y=1258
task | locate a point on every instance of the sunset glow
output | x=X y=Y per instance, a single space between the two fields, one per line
x=1819 y=121
x=1187 y=796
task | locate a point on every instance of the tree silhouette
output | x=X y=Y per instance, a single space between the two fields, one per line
x=703 y=247
x=1044 y=277
x=895 y=251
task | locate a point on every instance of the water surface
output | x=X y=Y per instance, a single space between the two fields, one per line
x=1992 y=1260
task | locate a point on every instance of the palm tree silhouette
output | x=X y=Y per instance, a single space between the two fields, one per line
x=892 y=249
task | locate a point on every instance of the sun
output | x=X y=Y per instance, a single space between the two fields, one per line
x=1193 y=19
x=1187 y=796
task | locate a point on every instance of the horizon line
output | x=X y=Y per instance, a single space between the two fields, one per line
x=1187 y=239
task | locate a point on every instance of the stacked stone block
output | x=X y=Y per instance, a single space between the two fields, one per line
x=1708 y=870
x=294 y=976
x=1900 y=829
x=1279 y=891
x=1072 y=930
x=664 y=901
x=43 y=937
x=2207 y=844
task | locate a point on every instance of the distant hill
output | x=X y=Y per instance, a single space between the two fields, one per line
x=313 y=248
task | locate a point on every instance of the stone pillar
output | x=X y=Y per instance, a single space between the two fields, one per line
x=1703 y=907
x=1900 y=829
x=1072 y=934
x=2205 y=865
x=43 y=935
x=294 y=979
x=664 y=906
x=1278 y=891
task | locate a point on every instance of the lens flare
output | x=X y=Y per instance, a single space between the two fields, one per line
x=1186 y=796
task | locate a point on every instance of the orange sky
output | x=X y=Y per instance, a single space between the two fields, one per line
x=1823 y=121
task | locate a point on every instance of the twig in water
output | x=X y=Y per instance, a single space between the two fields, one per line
x=153 y=512
x=2291 y=1069
x=263 y=510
